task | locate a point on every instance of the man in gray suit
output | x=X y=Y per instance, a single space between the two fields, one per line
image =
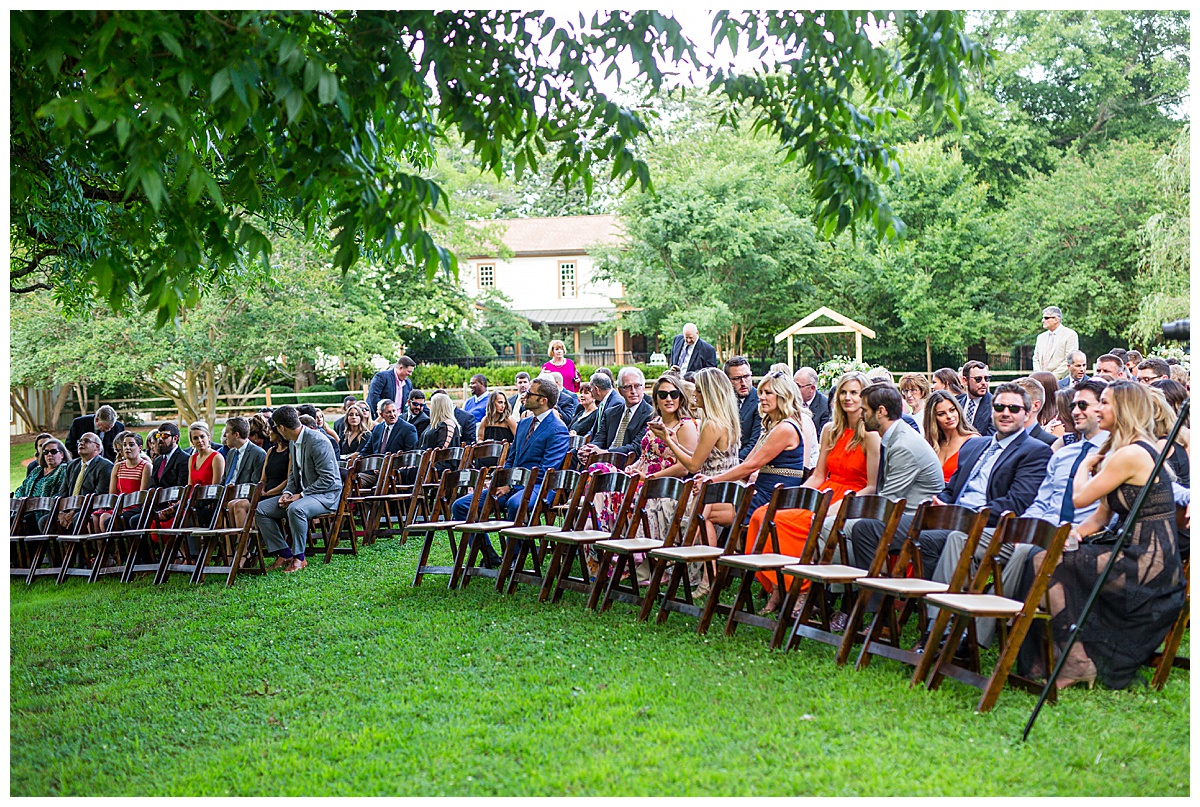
x=313 y=489
x=244 y=460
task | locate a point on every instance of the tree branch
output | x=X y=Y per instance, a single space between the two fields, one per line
x=28 y=289
x=33 y=264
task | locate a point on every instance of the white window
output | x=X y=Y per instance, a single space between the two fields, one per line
x=566 y=280
x=487 y=276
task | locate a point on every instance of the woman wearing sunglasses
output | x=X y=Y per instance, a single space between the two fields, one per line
x=46 y=481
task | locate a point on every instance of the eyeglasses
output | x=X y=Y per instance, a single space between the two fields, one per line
x=1012 y=408
x=531 y=394
x=910 y=391
x=627 y=387
x=806 y=386
x=1045 y=316
x=737 y=379
x=1082 y=406
x=673 y=394
x=48 y=451
x=84 y=440
x=980 y=378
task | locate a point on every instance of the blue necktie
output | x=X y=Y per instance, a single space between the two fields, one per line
x=1067 y=511
x=981 y=463
x=233 y=458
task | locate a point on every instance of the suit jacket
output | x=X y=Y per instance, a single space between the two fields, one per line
x=420 y=422
x=1038 y=433
x=703 y=354
x=1053 y=359
x=819 y=406
x=568 y=402
x=176 y=472
x=983 y=414
x=1067 y=382
x=95 y=478
x=313 y=468
x=466 y=425
x=606 y=429
x=546 y=449
x=383 y=385
x=1015 y=478
x=751 y=423
x=910 y=468
x=402 y=438
x=249 y=464
x=87 y=423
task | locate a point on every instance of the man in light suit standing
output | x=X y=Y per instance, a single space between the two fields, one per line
x=1054 y=343
x=313 y=489
x=690 y=353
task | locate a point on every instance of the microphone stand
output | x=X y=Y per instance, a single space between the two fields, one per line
x=1122 y=537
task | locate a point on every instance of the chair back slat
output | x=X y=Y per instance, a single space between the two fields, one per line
x=945 y=517
x=794 y=498
x=578 y=441
x=856 y=505
x=618 y=461
x=663 y=487
x=488 y=454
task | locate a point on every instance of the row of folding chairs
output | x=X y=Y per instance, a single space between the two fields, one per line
x=545 y=545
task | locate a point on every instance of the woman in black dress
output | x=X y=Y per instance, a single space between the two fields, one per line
x=443 y=431
x=275 y=466
x=1145 y=589
x=498 y=422
x=355 y=435
x=585 y=415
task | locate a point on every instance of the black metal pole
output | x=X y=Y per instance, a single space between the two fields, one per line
x=1122 y=536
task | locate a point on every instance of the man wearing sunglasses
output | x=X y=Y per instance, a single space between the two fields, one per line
x=1054 y=343
x=977 y=402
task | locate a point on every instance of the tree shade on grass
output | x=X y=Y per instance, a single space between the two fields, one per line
x=345 y=680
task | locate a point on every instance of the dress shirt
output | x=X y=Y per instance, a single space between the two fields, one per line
x=1048 y=504
x=974 y=492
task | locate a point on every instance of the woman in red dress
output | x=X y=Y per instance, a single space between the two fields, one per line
x=946 y=429
x=206 y=466
x=129 y=475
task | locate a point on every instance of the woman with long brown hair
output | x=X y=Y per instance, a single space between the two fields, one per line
x=946 y=429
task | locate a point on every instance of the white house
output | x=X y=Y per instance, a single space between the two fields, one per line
x=551 y=281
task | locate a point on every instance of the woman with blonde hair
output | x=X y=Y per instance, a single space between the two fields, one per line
x=848 y=460
x=498 y=422
x=559 y=363
x=443 y=431
x=1145 y=589
x=946 y=429
x=206 y=463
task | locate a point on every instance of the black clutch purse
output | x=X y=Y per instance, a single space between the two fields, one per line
x=1105 y=537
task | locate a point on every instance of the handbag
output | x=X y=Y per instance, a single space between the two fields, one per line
x=1104 y=537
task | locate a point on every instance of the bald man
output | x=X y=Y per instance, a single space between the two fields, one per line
x=689 y=352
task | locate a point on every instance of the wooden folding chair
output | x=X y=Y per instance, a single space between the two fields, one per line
x=618 y=461
x=561 y=489
x=395 y=500
x=667 y=487
x=488 y=454
x=326 y=530
x=975 y=604
x=145 y=541
x=567 y=545
x=202 y=510
x=578 y=441
x=427 y=487
x=693 y=549
x=48 y=553
x=18 y=553
x=745 y=566
x=228 y=545
x=84 y=552
x=492 y=518
x=454 y=485
x=909 y=591
x=825 y=573
x=1168 y=658
x=358 y=512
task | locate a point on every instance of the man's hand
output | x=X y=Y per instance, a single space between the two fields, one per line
x=288 y=498
x=65 y=519
x=936 y=502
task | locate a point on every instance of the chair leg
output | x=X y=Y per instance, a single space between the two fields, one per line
x=624 y=563
x=68 y=556
x=549 y=578
x=714 y=595
x=873 y=633
x=1171 y=648
x=603 y=579
x=506 y=559
x=785 y=621
x=651 y=594
x=465 y=542
x=931 y=643
x=423 y=559
x=743 y=599
x=678 y=570
x=853 y=627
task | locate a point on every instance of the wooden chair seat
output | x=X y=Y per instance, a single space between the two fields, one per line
x=485 y=526
x=977 y=605
x=490 y=518
x=579 y=536
x=527 y=543
x=688 y=554
x=830 y=573
x=568 y=545
x=903 y=586
x=763 y=560
x=454 y=485
x=532 y=531
x=627 y=545
x=434 y=526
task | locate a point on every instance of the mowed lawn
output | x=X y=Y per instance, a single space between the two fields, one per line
x=346 y=680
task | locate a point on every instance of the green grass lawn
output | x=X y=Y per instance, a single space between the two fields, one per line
x=345 y=680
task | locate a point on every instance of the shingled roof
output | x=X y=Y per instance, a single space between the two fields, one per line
x=558 y=235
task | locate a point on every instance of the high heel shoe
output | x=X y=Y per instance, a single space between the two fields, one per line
x=1075 y=673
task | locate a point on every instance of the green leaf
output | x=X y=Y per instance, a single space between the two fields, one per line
x=220 y=83
x=152 y=186
x=294 y=101
x=327 y=88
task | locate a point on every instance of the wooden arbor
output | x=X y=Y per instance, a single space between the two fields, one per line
x=846 y=325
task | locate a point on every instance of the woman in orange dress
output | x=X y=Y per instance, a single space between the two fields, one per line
x=946 y=429
x=849 y=460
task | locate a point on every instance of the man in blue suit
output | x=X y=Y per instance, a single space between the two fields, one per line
x=542 y=441
x=1001 y=472
x=392 y=384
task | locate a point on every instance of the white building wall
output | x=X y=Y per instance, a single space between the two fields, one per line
x=533 y=282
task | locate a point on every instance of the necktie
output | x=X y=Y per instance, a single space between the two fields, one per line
x=79 y=479
x=231 y=474
x=600 y=412
x=879 y=477
x=620 y=437
x=982 y=462
x=687 y=356
x=162 y=466
x=387 y=431
x=972 y=405
x=532 y=428
x=1067 y=511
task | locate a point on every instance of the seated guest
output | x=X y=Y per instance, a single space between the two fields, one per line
x=477 y=403
x=466 y=422
x=104 y=423
x=516 y=401
x=318 y=423
x=585 y=414
x=946 y=429
x=977 y=401
x=1032 y=419
x=243 y=464
x=417 y=413
x=849 y=460
x=52 y=469
x=1049 y=384
x=948 y=380
x=542 y=442
x=339 y=425
x=1053 y=502
x=130 y=475
x=313 y=488
x=1122 y=356
x=171 y=463
x=1179 y=374
x=391 y=436
x=737 y=370
x=391 y=384
x=1166 y=397
x=276 y=465
x=355 y=434
x=806 y=380
x=206 y=466
x=87 y=474
x=443 y=431
x=38 y=442
x=1001 y=472
x=1111 y=366
x=915 y=390
x=260 y=431
x=621 y=428
x=568 y=401
x=498 y=422
x=1064 y=424
x=605 y=395
x=1076 y=369
x=1152 y=369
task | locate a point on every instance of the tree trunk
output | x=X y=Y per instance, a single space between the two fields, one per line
x=929 y=356
x=60 y=401
x=22 y=410
x=81 y=394
x=210 y=394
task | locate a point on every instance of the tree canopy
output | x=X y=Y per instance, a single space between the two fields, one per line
x=156 y=155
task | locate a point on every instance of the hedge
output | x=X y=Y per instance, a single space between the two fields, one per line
x=451 y=376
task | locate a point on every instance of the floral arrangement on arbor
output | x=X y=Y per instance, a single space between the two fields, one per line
x=828 y=372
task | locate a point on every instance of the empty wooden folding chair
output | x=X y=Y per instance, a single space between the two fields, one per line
x=488 y=454
x=395 y=500
x=427 y=487
x=454 y=485
x=975 y=604
x=84 y=553
x=666 y=488
x=18 y=553
x=201 y=511
x=232 y=548
x=362 y=517
x=813 y=621
x=694 y=549
x=745 y=565
x=1168 y=658
x=492 y=518
x=48 y=555
x=566 y=546
x=909 y=591
x=561 y=493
